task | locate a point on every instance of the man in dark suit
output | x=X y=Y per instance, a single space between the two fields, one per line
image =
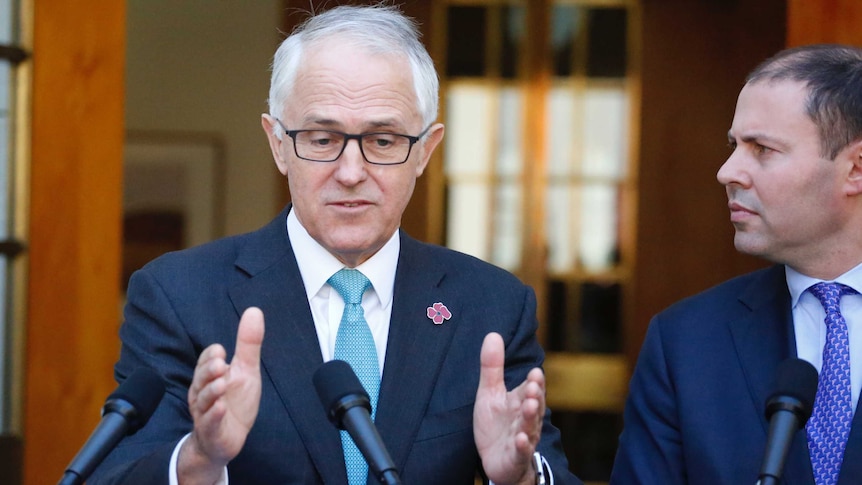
x=353 y=104
x=695 y=412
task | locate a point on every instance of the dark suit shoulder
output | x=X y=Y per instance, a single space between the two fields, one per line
x=457 y=263
x=219 y=249
x=727 y=299
x=247 y=253
x=212 y=262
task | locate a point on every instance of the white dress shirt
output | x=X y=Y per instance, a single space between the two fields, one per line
x=316 y=265
x=810 y=328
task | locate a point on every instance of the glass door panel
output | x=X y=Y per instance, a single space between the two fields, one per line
x=561 y=173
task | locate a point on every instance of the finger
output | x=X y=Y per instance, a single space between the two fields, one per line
x=208 y=424
x=492 y=359
x=214 y=351
x=210 y=394
x=208 y=383
x=536 y=375
x=533 y=387
x=211 y=365
x=249 y=339
x=524 y=446
x=532 y=412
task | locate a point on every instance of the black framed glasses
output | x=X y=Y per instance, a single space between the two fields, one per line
x=379 y=148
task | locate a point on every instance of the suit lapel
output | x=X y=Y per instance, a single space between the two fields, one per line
x=763 y=338
x=851 y=467
x=415 y=351
x=290 y=352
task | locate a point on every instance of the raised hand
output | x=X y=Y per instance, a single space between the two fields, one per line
x=507 y=425
x=223 y=401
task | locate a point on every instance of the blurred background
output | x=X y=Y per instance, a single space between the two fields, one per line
x=582 y=142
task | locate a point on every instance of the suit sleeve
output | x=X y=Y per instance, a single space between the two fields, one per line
x=650 y=447
x=523 y=353
x=152 y=335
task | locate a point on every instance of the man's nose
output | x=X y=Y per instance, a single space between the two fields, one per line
x=732 y=171
x=351 y=163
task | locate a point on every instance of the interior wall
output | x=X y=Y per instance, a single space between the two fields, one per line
x=202 y=67
x=690 y=81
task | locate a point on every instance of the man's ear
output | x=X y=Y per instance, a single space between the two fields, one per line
x=271 y=127
x=433 y=138
x=854 y=177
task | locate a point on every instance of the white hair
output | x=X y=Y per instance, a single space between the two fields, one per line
x=379 y=29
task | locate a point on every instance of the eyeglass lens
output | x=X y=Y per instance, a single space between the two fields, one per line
x=324 y=146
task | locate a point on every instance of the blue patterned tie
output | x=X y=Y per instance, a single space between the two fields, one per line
x=829 y=425
x=355 y=345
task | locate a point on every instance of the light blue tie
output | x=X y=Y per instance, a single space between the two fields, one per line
x=830 y=422
x=355 y=345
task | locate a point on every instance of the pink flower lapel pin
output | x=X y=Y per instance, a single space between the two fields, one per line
x=438 y=313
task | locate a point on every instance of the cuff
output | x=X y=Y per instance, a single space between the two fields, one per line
x=544 y=475
x=172 y=468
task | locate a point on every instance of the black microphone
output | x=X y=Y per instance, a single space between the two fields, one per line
x=347 y=406
x=126 y=410
x=787 y=409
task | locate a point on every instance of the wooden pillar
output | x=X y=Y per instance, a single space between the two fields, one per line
x=537 y=73
x=75 y=227
x=824 y=21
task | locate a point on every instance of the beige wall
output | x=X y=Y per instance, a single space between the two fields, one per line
x=203 y=66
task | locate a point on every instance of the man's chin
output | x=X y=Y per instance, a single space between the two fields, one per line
x=349 y=252
x=750 y=245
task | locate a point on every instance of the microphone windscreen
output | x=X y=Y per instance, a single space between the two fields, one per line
x=796 y=378
x=143 y=389
x=334 y=380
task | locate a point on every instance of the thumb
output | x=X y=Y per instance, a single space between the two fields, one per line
x=249 y=338
x=492 y=359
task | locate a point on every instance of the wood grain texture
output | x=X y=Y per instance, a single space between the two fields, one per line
x=824 y=21
x=75 y=216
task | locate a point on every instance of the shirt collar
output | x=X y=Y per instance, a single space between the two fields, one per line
x=316 y=264
x=797 y=282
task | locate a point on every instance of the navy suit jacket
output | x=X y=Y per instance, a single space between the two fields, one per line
x=695 y=411
x=184 y=301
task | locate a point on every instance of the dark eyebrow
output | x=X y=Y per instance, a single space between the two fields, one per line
x=383 y=124
x=330 y=124
x=757 y=138
x=323 y=122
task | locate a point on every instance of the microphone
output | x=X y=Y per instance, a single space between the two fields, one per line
x=787 y=409
x=126 y=410
x=347 y=406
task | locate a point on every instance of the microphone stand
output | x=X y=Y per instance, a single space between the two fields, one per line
x=390 y=477
x=70 y=478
